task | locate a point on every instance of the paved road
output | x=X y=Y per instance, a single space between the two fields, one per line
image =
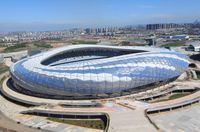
x=130 y=121
x=122 y=119
x=8 y=123
x=8 y=62
x=182 y=120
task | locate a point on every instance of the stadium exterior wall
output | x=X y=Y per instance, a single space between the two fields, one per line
x=133 y=68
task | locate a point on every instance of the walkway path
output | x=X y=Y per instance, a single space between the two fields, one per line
x=181 y=120
x=125 y=115
x=121 y=118
x=180 y=101
x=130 y=121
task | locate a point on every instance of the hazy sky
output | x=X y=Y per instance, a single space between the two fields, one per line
x=59 y=14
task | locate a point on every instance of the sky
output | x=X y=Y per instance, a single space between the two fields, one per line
x=38 y=15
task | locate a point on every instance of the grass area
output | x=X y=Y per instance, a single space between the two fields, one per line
x=174 y=44
x=56 y=39
x=2 y=45
x=171 y=97
x=3 y=68
x=1 y=80
x=88 y=123
x=16 y=47
x=42 y=44
x=84 y=42
x=27 y=45
x=136 y=44
x=178 y=95
x=160 y=100
x=127 y=43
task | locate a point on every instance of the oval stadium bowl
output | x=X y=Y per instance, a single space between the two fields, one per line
x=96 y=71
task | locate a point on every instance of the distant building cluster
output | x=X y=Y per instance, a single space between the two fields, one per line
x=196 y=24
x=89 y=33
x=162 y=26
x=126 y=35
x=34 y=36
x=102 y=31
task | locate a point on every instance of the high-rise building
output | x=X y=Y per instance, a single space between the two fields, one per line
x=162 y=26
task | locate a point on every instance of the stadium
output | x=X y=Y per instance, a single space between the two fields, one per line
x=95 y=71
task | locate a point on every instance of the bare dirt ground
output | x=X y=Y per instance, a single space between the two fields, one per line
x=1 y=49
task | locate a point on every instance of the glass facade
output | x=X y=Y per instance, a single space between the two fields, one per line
x=92 y=72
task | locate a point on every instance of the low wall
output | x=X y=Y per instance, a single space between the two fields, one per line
x=71 y=115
